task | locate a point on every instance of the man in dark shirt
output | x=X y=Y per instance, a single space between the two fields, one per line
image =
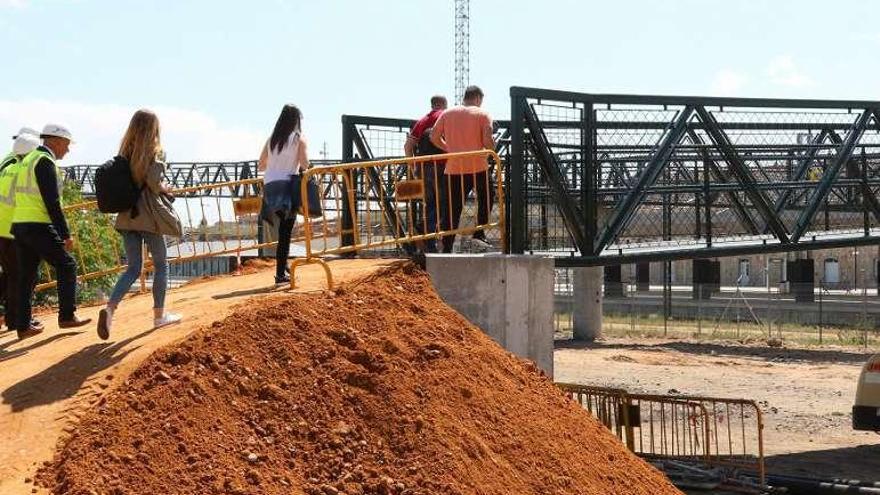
x=418 y=143
x=41 y=231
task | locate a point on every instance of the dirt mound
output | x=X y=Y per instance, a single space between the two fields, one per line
x=254 y=265
x=377 y=389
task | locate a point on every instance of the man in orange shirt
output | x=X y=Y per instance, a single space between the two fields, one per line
x=466 y=128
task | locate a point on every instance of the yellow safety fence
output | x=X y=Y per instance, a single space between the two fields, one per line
x=217 y=219
x=712 y=430
x=388 y=204
x=402 y=203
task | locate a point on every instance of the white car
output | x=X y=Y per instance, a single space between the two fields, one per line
x=866 y=411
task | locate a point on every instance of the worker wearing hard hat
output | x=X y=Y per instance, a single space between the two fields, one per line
x=41 y=232
x=24 y=142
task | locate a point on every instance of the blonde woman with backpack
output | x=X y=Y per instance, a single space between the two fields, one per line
x=148 y=222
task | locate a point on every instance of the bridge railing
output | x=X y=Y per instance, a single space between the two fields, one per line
x=181 y=175
x=385 y=206
x=400 y=204
x=623 y=178
x=219 y=219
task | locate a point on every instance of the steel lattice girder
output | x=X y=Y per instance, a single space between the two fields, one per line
x=738 y=207
x=843 y=155
x=569 y=161
x=185 y=174
x=570 y=213
x=755 y=141
x=739 y=169
x=626 y=209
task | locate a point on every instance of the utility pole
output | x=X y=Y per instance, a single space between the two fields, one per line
x=462 y=48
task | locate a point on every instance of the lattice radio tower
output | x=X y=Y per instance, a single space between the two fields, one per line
x=462 y=47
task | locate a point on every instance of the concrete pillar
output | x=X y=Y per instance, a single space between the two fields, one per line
x=587 y=314
x=801 y=278
x=643 y=277
x=509 y=297
x=706 y=278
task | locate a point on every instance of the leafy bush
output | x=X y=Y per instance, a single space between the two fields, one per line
x=98 y=247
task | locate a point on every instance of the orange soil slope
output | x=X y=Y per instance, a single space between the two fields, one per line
x=377 y=389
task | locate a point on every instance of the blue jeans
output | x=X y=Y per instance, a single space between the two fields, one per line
x=134 y=242
x=435 y=200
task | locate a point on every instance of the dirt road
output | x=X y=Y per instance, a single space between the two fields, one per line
x=46 y=383
x=806 y=394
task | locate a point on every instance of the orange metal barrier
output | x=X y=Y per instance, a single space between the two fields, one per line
x=217 y=219
x=608 y=405
x=711 y=430
x=387 y=203
x=398 y=202
x=736 y=432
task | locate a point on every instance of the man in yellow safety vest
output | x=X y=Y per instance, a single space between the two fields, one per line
x=41 y=232
x=24 y=142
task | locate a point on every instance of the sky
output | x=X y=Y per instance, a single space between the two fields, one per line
x=217 y=72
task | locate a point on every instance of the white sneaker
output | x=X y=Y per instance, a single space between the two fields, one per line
x=166 y=319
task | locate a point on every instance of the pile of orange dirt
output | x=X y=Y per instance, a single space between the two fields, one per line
x=379 y=388
x=254 y=265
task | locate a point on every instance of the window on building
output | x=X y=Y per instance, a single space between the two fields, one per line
x=832 y=271
x=744 y=272
x=775 y=271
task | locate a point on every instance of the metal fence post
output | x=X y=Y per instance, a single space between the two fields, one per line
x=632 y=315
x=864 y=309
x=348 y=221
x=516 y=212
x=821 y=322
x=699 y=314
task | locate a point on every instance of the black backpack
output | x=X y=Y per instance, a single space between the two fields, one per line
x=425 y=146
x=115 y=188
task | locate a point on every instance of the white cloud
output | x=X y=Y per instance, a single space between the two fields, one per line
x=873 y=37
x=728 y=82
x=187 y=134
x=784 y=72
x=16 y=4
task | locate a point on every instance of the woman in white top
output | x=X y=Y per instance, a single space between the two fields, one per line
x=284 y=156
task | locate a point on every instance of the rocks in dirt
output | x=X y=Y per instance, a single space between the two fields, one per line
x=270 y=392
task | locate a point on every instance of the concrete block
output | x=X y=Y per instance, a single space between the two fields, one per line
x=509 y=297
x=587 y=307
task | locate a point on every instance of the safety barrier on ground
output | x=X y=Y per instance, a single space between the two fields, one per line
x=608 y=405
x=407 y=204
x=217 y=219
x=710 y=430
x=669 y=428
x=736 y=433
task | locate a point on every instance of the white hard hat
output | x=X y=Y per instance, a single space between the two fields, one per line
x=26 y=130
x=25 y=141
x=56 y=130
